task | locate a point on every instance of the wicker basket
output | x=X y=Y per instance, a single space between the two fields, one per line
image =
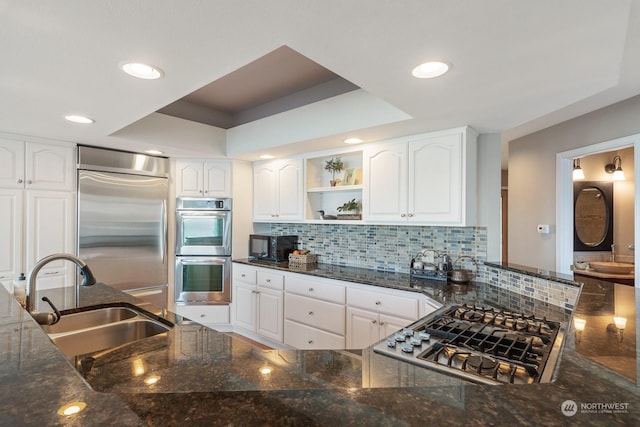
x=303 y=259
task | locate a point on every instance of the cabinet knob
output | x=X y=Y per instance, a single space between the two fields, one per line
x=378 y=303
x=311 y=313
x=402 y=215
x=310 y=342
x=374 y=321
x=310 y=289
x=19 y=181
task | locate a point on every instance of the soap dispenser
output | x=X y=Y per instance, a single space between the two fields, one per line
x=20 y=290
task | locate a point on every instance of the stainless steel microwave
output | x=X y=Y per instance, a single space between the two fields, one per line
x=271 y=248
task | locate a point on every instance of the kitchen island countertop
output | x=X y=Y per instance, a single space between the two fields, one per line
x=205 y=377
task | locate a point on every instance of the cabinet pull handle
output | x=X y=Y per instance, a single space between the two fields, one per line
x=378 y=303
x=402 y=215
x=311 y=313
x=310 y=342
x=310 y=289
x=374 y=321
x=20 y=181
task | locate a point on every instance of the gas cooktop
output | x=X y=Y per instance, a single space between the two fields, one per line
x=483 y=345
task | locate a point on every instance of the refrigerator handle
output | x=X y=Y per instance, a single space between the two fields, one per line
x=163 y=240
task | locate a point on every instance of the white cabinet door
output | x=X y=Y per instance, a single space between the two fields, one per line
x=278 y=190
x=290 y=189
x=188 y=178
x=435 y=179
x=11 y=163
x=270 y=314
x=217 y=178
x=50 y=228
x=385 y=179
x=11 y=212
x=264 y=191
x=362 y=328
x=244 y=300
x=49 y=167
x=196 y=178
x=391 y=324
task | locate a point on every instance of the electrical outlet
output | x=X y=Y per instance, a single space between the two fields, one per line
x=543 y=228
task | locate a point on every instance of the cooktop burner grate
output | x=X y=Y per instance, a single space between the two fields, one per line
x=490 y=345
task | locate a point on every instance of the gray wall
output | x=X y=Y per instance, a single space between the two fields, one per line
x=532 y=176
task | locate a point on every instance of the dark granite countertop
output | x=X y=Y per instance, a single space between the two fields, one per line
x=205 y=377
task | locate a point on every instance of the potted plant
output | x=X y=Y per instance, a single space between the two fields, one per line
x=334 y=165
x=352 y=209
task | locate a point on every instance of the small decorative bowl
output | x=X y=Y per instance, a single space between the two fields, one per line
x=581 y=265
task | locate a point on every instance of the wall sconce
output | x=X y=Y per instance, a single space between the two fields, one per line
x=617 y=327
x=578 y=173
x=578 y=325
x=615 y=168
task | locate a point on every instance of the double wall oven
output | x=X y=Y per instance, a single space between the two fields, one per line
x=203 y=251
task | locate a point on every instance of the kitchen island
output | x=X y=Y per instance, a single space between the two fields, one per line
x=205 y=377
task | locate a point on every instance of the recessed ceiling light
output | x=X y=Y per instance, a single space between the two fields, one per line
x=142 y=71
x=267 y=156
x=352 y=141
x=79 y=119
x=154 y=152
x=430 y=69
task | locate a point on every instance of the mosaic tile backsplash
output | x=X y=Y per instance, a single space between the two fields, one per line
x=386 y=247
x=537 y=288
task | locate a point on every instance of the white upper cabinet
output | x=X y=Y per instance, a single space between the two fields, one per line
x=198 y=178
x=425 y=179
x=278 y=190
x=37 y=166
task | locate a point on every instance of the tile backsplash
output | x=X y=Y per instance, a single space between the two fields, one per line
x=385 y=247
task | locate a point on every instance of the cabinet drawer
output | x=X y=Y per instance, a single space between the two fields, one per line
x=314 y=289
x=383 y=303
x=244 y=273
x=205 y=314
x=320 y=314
x=270 y=280
x=305 y=337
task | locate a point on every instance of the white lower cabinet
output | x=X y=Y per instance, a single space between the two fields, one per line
x=367 y=327
x=373 y=315
x=258 y=302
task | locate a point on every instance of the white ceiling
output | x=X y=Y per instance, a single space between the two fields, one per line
x=517 y=65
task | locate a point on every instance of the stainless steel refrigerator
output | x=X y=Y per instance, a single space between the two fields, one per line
x=122 y=220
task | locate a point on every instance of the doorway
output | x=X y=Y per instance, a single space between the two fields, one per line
x=564 y=197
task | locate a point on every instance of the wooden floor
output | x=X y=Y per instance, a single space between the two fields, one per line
x=249 y=340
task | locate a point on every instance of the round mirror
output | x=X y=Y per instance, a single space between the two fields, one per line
x=593 y=217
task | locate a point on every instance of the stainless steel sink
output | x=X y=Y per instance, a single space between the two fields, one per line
x=98 y=338
x=89 y=319
x=103 y=328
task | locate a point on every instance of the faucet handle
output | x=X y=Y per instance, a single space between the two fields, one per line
x=56 y=313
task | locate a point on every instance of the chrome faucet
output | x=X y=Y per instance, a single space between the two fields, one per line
x=50 y=318
x=613 y=253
